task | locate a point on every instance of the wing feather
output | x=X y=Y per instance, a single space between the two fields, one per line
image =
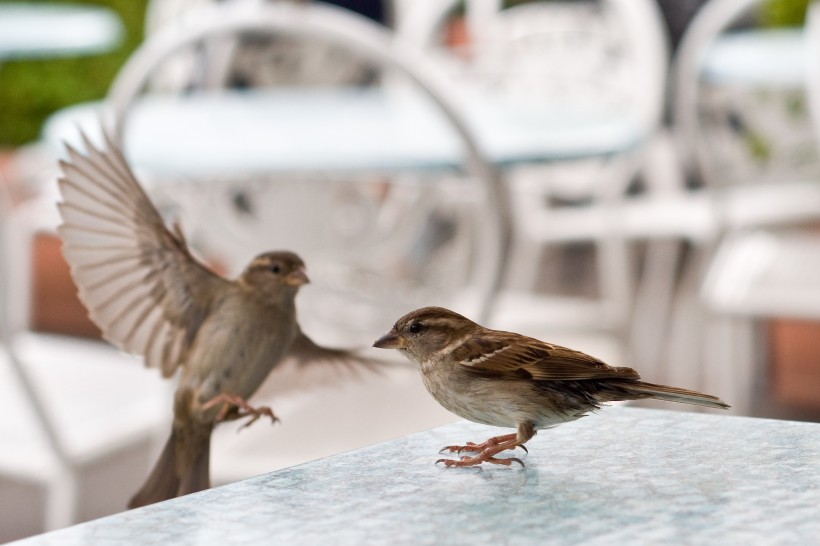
x=152 y=359
x=309 y=366
x=503 y=354
x=90 y=189
x=138 y=280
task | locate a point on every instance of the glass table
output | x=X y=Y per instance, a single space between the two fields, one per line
x=30 y=31
x=624 y=476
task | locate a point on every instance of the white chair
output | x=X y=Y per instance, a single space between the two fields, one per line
x=602 y=61
x=247 y=61
x=305 y=192
x=79 y=422
x=715 y=64
x=250 y=155
x=738 y=99
x=767 y=270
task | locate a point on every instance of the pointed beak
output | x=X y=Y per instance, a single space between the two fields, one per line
x=297 y=277
x=390 y=340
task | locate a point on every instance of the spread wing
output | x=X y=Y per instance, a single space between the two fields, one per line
x=513 y=356
x=138 y=280
x=308 y=366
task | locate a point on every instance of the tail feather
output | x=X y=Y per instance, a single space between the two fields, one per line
x=162 y=482
x=183 y=467
x=639 y=389
x=196 y=473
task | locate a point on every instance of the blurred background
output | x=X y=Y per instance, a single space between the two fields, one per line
x=638 y=179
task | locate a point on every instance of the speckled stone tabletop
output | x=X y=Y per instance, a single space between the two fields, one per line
x=624 y=476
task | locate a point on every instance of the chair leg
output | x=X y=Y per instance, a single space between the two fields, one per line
x=525 y=264
x=730 y=370
x=688 y=331
x=60 y=509
x=615 y=279
x=653 y=306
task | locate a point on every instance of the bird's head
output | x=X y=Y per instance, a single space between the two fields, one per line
x=424 y=333
x=277 y=273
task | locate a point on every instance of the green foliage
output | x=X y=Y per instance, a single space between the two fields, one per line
x=31 y=90
x=783 y=13
x=759 y=148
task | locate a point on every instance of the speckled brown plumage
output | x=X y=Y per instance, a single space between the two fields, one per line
x=509 y=380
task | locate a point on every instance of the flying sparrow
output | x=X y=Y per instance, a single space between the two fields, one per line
x=151 y=297
x=509 y=380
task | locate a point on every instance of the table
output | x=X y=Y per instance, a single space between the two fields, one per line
x=625 y=476
x=343 y=129
x=29 y=31
x=770 y=58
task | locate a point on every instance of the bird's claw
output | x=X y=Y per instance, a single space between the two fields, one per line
x=473 y=447
x=470 y=446
x=511 y=460
x=235 y=407
x=486 y=452
x=474 y=461
x=256 y=414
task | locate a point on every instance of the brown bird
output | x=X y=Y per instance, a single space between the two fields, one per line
x=509 y=380
x=151 y=297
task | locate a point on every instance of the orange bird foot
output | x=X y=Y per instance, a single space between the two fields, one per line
x=472 y=447
x=235 y=407
x=477 y=460
x=487 y=452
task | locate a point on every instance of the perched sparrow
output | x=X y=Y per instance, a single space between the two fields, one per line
x=509 y=380
x=151 y=297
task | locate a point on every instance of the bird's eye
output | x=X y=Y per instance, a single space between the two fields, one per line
x=276 y=268
x=415 y=328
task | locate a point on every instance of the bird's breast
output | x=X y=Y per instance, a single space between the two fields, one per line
x=497 y=402
x=235 y=350
x=467 y=397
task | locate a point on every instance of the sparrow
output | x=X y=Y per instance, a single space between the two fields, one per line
x=151 y=297
x=506 y=379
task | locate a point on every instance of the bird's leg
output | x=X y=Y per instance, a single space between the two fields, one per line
x=478 y=448
x=494 y=446
x=235 y=407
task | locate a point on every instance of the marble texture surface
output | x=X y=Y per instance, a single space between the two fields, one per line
x=624 y=476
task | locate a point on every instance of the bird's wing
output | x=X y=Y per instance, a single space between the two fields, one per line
x=138 y=280
x=308 y=366
x=508 y=355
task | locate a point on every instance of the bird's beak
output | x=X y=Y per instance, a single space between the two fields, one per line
x=390 y=340
x=297 y=277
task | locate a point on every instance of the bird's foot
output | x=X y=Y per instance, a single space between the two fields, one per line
x=472 y=447
x=478 y=459
x=487 y=452
x=235 y=407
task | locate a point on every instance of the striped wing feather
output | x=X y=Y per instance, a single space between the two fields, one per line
x=511 y=355
x=139 y=281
